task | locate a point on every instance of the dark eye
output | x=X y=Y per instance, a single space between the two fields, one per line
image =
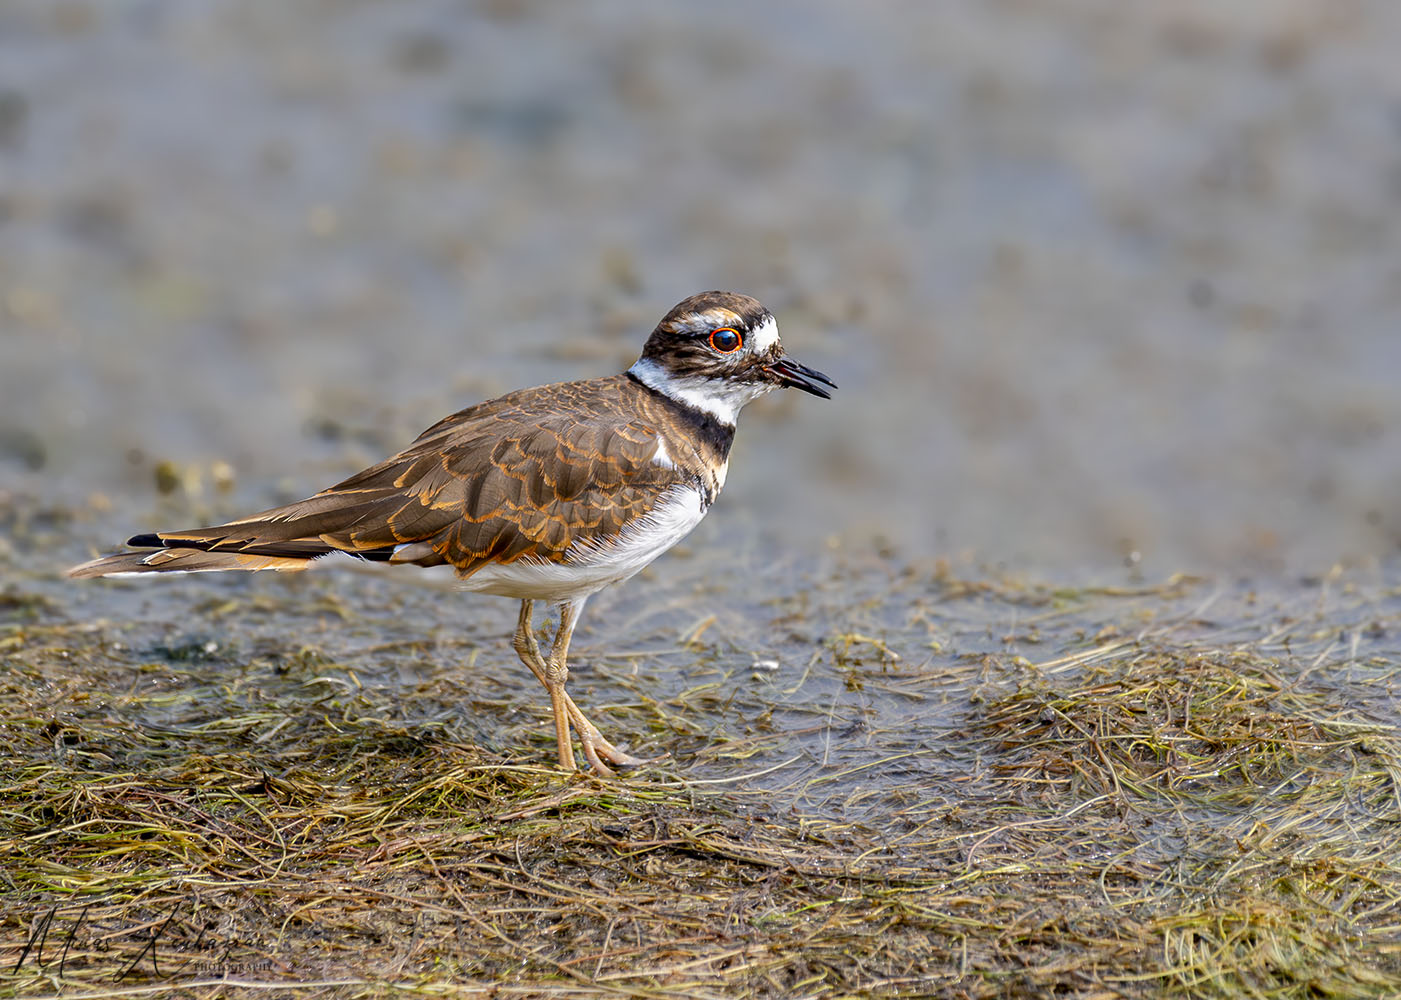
x=725 y=340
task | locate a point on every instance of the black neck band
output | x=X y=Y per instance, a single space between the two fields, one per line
x=703 y=425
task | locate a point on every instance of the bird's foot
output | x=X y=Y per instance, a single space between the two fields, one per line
x=597 y=749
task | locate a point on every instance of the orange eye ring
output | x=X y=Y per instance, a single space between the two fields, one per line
x=726 y=340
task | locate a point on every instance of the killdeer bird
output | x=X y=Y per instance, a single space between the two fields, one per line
x=545 y=494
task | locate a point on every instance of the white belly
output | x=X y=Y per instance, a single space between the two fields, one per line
x=591 y=566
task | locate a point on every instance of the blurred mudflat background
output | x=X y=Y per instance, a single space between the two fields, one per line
x=1056 y=655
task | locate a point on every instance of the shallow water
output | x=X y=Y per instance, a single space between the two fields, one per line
x=1110 y=294
x=1097 y=284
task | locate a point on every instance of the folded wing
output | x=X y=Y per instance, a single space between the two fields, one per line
x=491 y=483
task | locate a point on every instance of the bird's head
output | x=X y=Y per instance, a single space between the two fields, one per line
x=717 y=351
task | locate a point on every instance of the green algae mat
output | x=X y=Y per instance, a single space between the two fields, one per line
x=913 y=782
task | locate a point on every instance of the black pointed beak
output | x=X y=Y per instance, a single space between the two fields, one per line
x=786 y=371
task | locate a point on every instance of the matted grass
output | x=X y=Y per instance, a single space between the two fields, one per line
x=1161 y=807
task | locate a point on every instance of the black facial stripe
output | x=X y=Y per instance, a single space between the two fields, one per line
x=683 y=352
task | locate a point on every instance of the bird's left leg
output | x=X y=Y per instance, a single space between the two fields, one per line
x=596 y=747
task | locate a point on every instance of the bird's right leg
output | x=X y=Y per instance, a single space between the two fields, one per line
x=529 y=652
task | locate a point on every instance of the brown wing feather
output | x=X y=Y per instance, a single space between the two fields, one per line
x=511 y=484
x=524 y=475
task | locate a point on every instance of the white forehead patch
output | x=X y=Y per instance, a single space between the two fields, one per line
x=765 y=335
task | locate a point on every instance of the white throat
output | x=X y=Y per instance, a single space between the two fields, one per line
x=718 y=397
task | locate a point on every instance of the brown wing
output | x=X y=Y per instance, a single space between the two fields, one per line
x=499 y=487
x=523 y=475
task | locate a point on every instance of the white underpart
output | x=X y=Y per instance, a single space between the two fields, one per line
x=663 y=457
x=594 y=564
x=721 y=398
x=764 y=336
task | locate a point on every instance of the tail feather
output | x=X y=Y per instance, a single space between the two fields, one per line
x=283 y=538
x=226 y=538
x=207 y=550
x=183 y=560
